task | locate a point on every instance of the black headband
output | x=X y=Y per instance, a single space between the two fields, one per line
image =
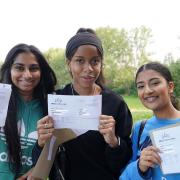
x=83 y=38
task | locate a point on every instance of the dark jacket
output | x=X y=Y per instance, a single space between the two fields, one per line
x=89 y=157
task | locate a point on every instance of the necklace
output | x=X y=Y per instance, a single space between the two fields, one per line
x=72 y=90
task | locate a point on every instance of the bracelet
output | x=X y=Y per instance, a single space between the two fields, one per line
x=119 y=140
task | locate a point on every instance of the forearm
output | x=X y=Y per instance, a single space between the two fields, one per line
x=36 y=153
x=132 y=171
x=118 y=157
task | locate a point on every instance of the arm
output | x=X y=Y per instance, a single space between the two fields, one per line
x=131 y=170
x=36 y=153
x=117 y=155
x=142 y=161
x=45 y=132
x=27 y=175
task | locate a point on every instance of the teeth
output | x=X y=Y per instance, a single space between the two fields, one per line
x=150 y=99
x=27 y=83
x=89 y=77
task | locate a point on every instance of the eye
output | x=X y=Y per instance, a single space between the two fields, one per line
x=18 y=68
x=155 y=83
x=95 y=62
x=80 y=61
x=34 y=68
x=140 y=86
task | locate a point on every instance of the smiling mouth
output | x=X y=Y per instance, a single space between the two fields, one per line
x=27 y=82
x=151 y=99
x=88 y=77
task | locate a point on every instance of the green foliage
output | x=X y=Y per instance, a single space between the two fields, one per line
x=139 y=40
x=137 y=109
x=116 y=45
x=117 y=53
x=124 y=52
x=57 y=61
x=175 y=70
x=168 y=59
x=130 y=90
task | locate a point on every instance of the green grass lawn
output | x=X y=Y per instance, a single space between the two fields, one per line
x=137 y=109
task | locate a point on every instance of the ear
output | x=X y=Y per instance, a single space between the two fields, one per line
x=68 y=64
x=171 y=87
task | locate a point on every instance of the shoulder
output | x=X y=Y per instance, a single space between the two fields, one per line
x=137 y=125
x=138 y=131
x=114 y=104
x=148 y=125
x=109 y=94
x=65 y=91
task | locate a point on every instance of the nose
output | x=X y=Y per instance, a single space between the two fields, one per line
x=148 y=89
x=88 y=66
x=27 y=73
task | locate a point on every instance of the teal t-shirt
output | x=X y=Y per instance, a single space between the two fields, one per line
x=27 y=116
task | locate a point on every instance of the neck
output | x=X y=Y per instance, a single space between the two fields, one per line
x=26 y=96
x=89 y=91
x=167 y=113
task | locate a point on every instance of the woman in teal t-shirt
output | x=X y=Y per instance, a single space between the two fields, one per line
x=27 y=70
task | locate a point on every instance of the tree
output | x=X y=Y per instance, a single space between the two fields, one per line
x=175 y=70
x=169 y=59
x=56 y=59
x=117 y=53
x=139 y=40
x=124 y=52
x=116 y=45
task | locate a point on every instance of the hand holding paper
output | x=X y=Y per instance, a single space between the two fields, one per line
x=72 y=115
x=5 y=93
x=167 y=139
x=75 y=112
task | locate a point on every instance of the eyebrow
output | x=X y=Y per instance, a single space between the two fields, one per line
x=149 y=80
x=84 y=57
x=21 y=64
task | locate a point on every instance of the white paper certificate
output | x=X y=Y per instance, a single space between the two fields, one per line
x=5 y=93
x=167 y=139
x=75 y=112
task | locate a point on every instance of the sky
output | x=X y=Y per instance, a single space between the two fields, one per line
x=50 y=23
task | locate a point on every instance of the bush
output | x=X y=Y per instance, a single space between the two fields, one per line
x=175 y=70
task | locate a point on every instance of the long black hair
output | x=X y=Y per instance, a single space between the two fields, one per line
x=165 y=73
x=45 y=86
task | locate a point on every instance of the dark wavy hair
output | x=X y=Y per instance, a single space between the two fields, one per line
x=45 y=86
x=94 y=41
x=165 y=73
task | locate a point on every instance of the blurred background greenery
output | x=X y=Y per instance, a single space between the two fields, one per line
x=124 y=52
x=138 y=111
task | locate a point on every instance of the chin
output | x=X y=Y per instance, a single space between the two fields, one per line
x=87 y=85
x=152 y=107
x=148 y=106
